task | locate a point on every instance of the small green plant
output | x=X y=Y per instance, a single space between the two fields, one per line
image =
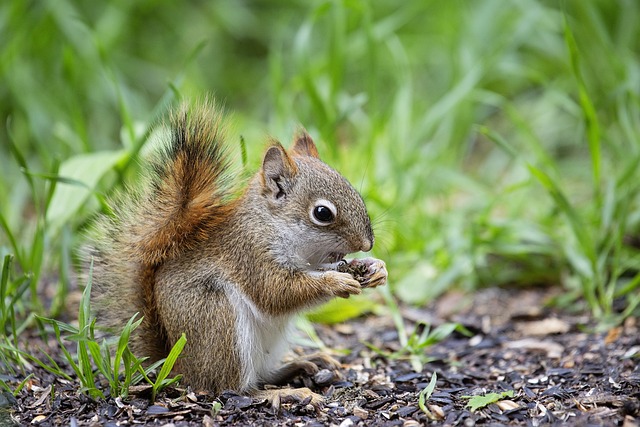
x=111 y=370
x=121 y=370
x=215 y=408
x=477 y=402
x=424 y=396
x=414 y=344
x=162 y=381
x=84 y=336
x=11 y=292
x=30 y=257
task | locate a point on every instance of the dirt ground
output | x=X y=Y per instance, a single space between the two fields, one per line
x=560 y=370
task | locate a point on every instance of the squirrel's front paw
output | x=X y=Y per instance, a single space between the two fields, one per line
x=376 y=273
x=341 y=284
x=369 y=272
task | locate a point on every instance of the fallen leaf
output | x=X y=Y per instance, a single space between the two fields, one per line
x=553 y=349
x=613 y=335
x=549 y=326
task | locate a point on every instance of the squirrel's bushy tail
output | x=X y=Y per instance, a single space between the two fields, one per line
x=183 y=198
x=188 y=187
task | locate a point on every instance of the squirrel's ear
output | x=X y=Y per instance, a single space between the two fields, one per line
x=277 y=166
x=304 y=145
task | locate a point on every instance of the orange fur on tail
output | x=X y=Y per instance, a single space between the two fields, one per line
x=188 y=187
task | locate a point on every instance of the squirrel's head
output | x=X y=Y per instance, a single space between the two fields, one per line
x=320 y=216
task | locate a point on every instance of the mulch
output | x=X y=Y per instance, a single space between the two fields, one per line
x=560 y=367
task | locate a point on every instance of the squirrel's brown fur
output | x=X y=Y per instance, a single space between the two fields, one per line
x=229 y=273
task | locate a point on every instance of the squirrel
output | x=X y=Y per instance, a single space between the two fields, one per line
x=229 y=272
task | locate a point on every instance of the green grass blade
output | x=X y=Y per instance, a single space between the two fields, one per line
x=579 y=230
x=12 y=240
x=588 y=110
x=4 y=292
x=167 y=366
x=425 y=394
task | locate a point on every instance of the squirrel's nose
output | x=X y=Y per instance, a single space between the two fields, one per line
x=367 y=244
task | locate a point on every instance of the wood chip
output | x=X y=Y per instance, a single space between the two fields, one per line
x=38 y=419
x=436 y=411
x=507 y=405
x=46 y=393
x=207 y=421
x=359 y=412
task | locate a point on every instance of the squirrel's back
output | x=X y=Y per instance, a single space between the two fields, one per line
x=185 y=196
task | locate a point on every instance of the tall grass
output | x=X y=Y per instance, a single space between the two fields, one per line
x=495 y=144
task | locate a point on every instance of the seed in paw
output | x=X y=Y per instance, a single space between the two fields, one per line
x=356 y=268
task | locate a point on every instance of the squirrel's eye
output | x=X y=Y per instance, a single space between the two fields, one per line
x=323 y=212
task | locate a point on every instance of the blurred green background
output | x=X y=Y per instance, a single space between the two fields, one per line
x=495 y=143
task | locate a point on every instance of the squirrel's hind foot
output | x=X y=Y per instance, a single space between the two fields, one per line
x=308 y=365
x=277 y=396
x=322 y=360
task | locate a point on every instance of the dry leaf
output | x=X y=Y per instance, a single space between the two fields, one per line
x=549 y=326
x=613 y=335
x=553 y=349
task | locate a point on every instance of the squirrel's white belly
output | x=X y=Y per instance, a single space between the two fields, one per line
x=261 y=339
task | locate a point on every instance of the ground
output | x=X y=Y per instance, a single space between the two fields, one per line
x=560 y=369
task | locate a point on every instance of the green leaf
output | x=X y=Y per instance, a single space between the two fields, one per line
x=215 y=408
x=477 y=402
x=339 y=310
x=78 y=175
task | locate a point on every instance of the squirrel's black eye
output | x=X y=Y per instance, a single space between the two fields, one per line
x=323 y=212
